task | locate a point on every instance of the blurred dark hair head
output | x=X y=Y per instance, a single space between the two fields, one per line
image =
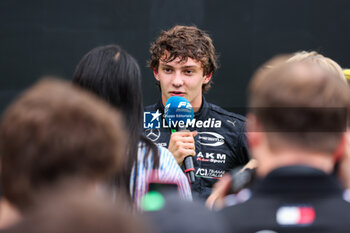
x=114 y=75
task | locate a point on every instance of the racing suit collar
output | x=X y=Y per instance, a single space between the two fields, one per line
x=159 y=105
x=203 y=109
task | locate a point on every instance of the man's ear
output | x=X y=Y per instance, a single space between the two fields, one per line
x=207 y=78
x=254 y=134
x=342 y=148
x=155 y=73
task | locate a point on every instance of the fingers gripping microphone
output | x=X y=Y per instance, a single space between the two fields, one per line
x=177 y=112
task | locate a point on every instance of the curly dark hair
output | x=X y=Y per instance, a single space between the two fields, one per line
x=183 y=42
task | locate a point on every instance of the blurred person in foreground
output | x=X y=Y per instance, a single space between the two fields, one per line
x=344 y=166
x=244 y=179
x=73 y=211
x=114 y=75
x=52 y=135
x=296 y=130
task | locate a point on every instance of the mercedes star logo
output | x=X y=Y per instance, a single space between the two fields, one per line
x=153 y=134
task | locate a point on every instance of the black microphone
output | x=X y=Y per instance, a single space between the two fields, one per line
x=178 y=112
x=188 y=164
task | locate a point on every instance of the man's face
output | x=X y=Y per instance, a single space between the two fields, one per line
x=181 y=78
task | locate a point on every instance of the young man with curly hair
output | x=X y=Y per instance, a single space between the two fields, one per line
x=183 y=61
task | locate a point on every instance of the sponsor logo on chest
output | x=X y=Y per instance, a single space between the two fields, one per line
x=210 y=139
x=211 y=157
x=152 y=134
x=209 y=173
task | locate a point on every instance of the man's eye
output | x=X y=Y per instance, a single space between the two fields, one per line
x=188 y=72
x=167 y=70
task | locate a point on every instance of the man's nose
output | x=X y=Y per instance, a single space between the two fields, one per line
x=177 y=79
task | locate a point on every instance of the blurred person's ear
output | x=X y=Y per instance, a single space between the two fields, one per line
x=342 y=149
x=344 y=164
x=254 y=131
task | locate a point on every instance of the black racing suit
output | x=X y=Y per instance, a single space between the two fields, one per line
x=220 y=143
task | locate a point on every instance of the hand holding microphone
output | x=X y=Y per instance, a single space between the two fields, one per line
x=178 y=111
x=182 y=145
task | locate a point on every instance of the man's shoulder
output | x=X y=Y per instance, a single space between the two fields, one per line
x=224 y=113
x=152 y=107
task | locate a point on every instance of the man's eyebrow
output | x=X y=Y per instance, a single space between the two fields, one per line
x=164 y=64
x=183 y=67
x=189 y=67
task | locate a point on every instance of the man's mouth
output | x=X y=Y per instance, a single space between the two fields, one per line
x=177 y=93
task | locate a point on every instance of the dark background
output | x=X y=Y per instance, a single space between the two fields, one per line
x=49 y=37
